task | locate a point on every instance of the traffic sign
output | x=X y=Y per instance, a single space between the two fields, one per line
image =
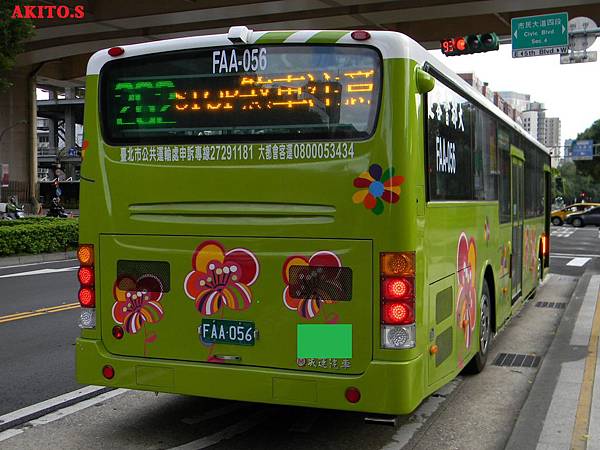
x=582 y=40
x=578 y=57
x=540 y=35
x=582 y=149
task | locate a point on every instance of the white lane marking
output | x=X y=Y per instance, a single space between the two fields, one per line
x=578 y=262
x=571 y=255
x=38 y=263
x=226 y=433
x=405 y=433
x=566 y=232
x=46 y=404
x=39 y=272
x=217 y=412
x=59 y=414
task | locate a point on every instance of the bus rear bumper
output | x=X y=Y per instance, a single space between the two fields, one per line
x=386 y=387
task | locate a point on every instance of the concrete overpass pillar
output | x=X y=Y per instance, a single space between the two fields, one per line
x=69 y=120
x=18 y=135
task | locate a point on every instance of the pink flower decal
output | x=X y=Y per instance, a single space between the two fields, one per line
x=137 y=302
x=530 y=250
x=466 y=305
x=307 y=308
x=221 y=278
x=504 y=260
x=379 y=186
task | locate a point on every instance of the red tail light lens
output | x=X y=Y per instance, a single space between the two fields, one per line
x=397 y=288
x=86 y=276
x=397 y=313
x=360 y=35
x=118 y=332
x=108 y=372
x=116 y=51
x=353 y=395
x=87 y=297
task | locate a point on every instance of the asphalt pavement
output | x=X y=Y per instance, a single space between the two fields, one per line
x=38 y=327
x=504 y=407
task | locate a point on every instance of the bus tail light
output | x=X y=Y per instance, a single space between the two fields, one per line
x=397 y=289
x=108 y=372
x=353 y=394
x=397 y=313
x=86 y=276
x=87 y=279
x=545 y=246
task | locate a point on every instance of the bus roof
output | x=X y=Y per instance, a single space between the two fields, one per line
x=391 y=44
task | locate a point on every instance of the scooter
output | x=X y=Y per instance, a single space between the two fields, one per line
x=57 y=210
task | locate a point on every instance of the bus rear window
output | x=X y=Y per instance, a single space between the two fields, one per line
x=240 y=93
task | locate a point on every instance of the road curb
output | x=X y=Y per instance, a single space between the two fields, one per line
x=32 y=259
x=528 y=427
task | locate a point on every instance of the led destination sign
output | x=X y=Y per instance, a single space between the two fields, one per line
x=225 y=94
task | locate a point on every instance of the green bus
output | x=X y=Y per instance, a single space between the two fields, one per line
x=316 y=218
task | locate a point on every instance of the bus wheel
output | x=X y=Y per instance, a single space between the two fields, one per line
x=477 y=364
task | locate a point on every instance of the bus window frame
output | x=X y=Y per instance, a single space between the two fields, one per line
x=193 y=140
x=456 y=88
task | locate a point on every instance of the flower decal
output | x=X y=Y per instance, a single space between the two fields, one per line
x=530 y=250
x=137 y=302
x=310 y=306
x=466 y=265
x=486 y=229
x=504 y=257
x=378 y=186
x=221 y=278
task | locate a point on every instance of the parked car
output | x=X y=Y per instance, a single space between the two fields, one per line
x=581 y=219
x=558 y=216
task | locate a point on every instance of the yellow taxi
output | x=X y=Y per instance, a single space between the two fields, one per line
x=558 y=216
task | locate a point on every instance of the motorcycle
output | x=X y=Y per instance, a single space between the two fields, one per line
x=12 y=210
x=57 y=210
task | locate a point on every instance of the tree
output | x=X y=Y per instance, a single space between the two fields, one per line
x=12 y=34
x=582 y=175
x=590 y=167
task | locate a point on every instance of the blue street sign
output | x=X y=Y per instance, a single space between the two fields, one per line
x=582 y=149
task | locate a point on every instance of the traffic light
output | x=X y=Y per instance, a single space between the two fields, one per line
x=472 y=43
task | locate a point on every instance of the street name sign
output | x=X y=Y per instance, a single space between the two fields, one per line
x=540 y=35
x=582 y=149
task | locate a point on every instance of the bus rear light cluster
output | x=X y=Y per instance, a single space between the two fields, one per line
x=397 y=300
x=87 y=279
x=545 y=246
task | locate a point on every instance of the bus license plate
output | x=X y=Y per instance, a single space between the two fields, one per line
x=218 y=331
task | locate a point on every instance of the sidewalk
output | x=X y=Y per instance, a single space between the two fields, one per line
x=562 y=410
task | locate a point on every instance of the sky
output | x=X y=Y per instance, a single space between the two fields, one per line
x=570 y=92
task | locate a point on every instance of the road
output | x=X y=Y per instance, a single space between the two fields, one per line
x=471 y=412
x=37 y=347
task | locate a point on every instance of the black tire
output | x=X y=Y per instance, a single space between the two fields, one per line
x=557 y=221
x=477 y=364
x=577 y=222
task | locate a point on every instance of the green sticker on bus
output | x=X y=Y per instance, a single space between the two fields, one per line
x=325 y=340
